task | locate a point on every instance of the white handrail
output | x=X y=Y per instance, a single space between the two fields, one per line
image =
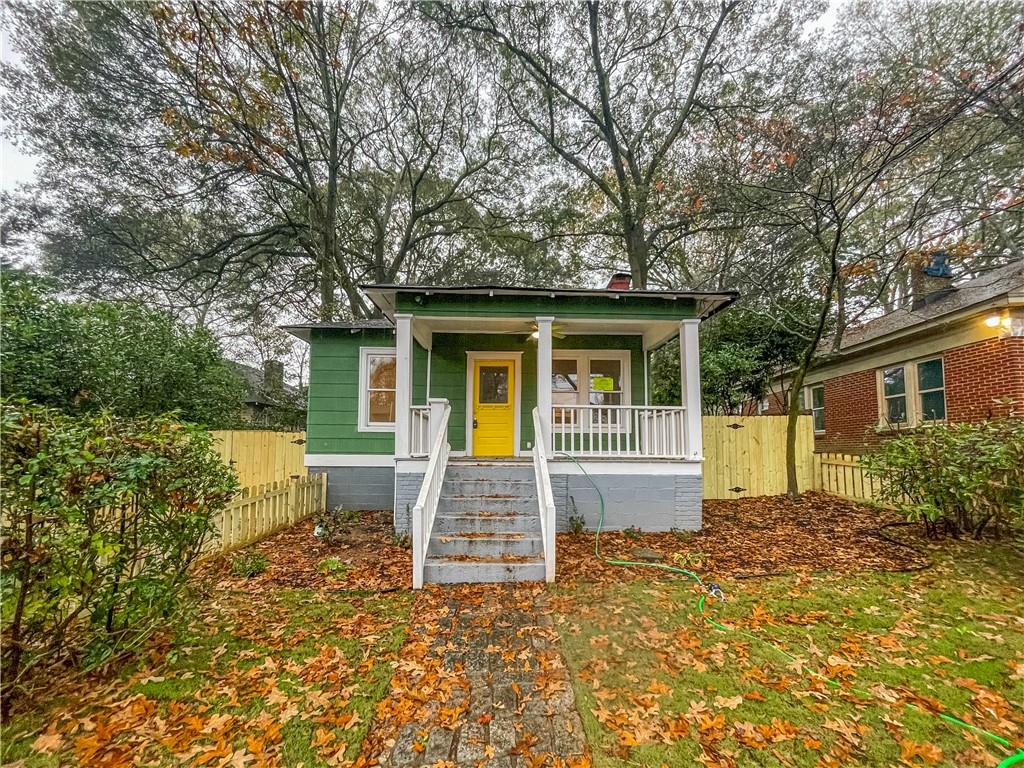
x=545 y=497
x=619 y=431
x=425 y=509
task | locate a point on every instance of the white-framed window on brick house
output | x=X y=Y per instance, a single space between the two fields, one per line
x=912 y=393
x=931 y=390
x=812 y=398
x=817 y=398
x=377 y=383
x=588 y=377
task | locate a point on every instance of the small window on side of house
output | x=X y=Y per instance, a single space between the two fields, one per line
x=377 y=385
x=818 y=407
x=894 y=394
x=931 y=390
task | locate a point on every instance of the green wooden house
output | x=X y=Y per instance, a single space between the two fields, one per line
x=487 y=417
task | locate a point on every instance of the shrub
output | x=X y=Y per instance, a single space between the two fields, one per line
x=577 y=524
x=330 y=526
x=633 y=532
x=102 y=518
x=332 y=566
x=955 y=478
x=248 y=564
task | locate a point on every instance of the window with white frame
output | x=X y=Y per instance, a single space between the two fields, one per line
x=912 y=393
x=818 y=407
x=588 y=377
x=931 y=390
x=377 y=383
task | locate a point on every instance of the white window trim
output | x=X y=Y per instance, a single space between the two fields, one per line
x=364 y=389
x=583 y=358
x=912 y=392
x=809 y=402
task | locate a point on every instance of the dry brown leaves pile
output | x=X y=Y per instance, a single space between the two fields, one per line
x=750 y=537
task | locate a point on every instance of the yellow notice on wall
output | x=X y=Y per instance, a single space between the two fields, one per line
x=602 y=384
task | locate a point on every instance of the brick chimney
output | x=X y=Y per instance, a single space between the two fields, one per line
x=273 y=377
x=931 y=282
x=620 y=281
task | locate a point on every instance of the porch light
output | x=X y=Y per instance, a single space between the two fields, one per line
x=992 y=321
x=535 y=335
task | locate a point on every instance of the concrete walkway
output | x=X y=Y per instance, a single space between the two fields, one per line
x=501 y=693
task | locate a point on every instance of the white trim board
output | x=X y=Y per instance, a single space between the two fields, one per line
x=517 y=360
x=619 y=467
x=349 y=460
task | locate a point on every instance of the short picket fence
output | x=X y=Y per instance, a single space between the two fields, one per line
x=261 y=510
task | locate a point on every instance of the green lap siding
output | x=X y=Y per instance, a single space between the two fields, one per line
x=333 y=413
x=332 y=422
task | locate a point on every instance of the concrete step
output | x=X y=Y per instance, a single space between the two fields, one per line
x=485 y=486
x=446 y=524
x=439 y=570
x=487 y=545
x=475 y=471
x=496 y=503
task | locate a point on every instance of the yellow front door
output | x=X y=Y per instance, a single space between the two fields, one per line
x=494 y=418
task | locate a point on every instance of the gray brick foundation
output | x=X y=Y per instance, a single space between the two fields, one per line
x=406 y=489
x=359 y=487
x=650 y=502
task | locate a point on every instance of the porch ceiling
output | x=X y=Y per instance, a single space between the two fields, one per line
x=654 y=332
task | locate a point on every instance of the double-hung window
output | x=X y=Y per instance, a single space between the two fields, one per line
x=585 y=377
x=812 y=399
x=931 y=390
x=377 y=382
x=912 y=393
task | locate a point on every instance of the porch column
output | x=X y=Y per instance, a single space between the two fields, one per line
x=403 y=383
x=544 y=377
x=689 y=379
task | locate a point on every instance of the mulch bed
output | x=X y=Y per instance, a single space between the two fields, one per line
x=372 y=560
x=765 y=535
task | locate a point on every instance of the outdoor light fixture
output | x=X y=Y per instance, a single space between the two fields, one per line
x=535 y=335
x=992 y=321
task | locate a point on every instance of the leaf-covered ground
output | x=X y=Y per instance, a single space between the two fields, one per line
x=833 y=632
x=816 y=669
x=285 y=668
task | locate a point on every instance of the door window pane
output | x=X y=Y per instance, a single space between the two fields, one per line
x=494 y=384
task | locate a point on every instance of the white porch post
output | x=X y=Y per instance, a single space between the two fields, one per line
x=544 y=377
x=689 y=377
x=403 y=384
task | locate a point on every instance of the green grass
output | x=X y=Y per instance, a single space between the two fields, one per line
x=323 y=656
x=938 y=634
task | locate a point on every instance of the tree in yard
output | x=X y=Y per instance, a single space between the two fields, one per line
x=858 y=144
x=89 y=356
x=622 y=95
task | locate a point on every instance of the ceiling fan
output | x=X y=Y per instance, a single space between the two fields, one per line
x=556 y=331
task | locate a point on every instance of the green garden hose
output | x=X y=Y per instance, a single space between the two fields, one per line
x=1013 y=759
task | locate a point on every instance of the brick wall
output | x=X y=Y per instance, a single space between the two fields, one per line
x=975 y=376
x=851 y=412
x=978 y=374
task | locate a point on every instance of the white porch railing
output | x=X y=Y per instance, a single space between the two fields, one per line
x=657 y=432
x=419 y=430
x=425 y=509
x=545 y=498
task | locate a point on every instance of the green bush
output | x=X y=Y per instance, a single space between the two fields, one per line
x=248 y=563
x=332 y=566
x=955 y=478
x=102 y=517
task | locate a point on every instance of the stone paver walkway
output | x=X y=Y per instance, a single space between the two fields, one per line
x=481 y=682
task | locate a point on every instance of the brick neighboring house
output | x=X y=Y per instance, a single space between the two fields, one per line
x=956 y=354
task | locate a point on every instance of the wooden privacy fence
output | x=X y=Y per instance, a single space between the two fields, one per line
x=262 y=456
x=746 y=456
x=261 y=510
